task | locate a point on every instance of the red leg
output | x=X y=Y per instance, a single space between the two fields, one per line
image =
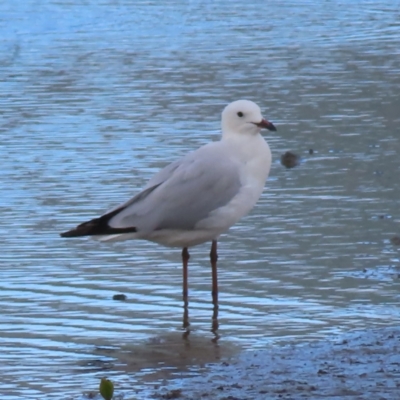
x=214 y=259
x=185 y=260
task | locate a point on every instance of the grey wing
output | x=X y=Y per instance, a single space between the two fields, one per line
x=184 y=193
x=164 y=174
x=160 y=177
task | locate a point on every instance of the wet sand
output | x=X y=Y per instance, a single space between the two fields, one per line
x=358 y=365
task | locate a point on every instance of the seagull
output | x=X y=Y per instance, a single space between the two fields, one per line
x=198 y=197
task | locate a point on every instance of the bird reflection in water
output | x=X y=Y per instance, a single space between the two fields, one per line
x=214 y=322
x=161 y=356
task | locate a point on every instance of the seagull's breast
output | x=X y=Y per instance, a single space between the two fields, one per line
x=254 y=163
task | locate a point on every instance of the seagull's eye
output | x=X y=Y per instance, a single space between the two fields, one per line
x=240 y=114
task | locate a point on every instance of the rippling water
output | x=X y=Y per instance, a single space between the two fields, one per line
x=95 y=98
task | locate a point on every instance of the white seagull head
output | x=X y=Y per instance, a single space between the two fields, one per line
x=243 y=117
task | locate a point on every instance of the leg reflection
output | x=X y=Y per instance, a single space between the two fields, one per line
x=186 y=322
x=215 y=323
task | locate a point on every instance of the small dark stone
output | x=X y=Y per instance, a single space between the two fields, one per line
x=236 y=386
x=231 y=398
x=120 y=297
x=90 y=395
x=289 y=159
x=172 y=394
x=225 y=364
x=311 y=151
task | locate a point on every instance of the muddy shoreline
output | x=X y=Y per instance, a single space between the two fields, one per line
x=358 y=365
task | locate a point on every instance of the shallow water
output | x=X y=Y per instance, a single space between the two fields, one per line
x=96 y=98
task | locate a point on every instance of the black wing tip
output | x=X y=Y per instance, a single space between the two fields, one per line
x=67 y=234
x=93 y=228
x=73 y=233
x=98 y=227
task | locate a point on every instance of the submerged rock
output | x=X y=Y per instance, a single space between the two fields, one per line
x=120 y=297
x=395 y=240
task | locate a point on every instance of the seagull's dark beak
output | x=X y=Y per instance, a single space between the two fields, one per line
x=265 y=124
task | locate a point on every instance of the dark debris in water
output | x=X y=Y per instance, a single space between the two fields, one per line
x=90 y=395
x=172 y=394
x=395 y=240
x=381 y=217
x=290 y=160
x=380 y=273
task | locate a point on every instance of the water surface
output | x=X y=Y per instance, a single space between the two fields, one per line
x=95 y=98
